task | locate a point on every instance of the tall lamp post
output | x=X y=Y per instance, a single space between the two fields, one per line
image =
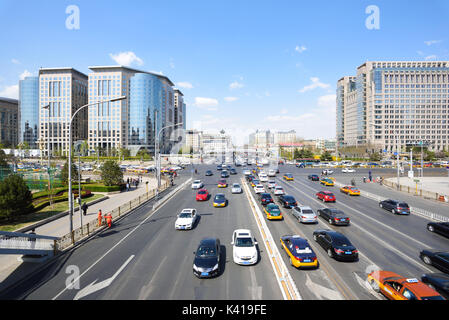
x=70 y=153
x=48 y=151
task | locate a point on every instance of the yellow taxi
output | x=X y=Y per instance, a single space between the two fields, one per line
x=327 y=182
x=254 y=182
x=299 y=251
x=396 y=287
x=350 y=190
x=288 y=177
x=222 y=183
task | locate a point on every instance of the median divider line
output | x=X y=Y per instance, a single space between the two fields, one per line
x=285 y=281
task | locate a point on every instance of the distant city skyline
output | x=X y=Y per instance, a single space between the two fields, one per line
x=241 y=66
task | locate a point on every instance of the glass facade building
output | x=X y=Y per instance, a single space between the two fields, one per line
x=29 y=111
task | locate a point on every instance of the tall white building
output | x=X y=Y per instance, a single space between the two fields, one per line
x=64 y=90
x=392 y=104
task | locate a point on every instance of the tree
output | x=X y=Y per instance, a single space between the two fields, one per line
x=111 y=174
x=326 y=156
x=65 y=173
x=376 y=156
x=15 y=197
x=4 y=167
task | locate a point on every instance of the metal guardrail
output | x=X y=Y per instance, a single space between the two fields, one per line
x=413 y=210
x=87 y=229
x=26 y=244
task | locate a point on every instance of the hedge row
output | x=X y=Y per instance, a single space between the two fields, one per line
x=39 y=205
x=101 y=188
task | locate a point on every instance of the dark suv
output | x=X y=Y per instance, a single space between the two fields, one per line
x=265 y=198
x=396 y=207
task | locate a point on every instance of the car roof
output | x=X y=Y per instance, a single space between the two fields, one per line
x=304 y=207
x=208 y=242
x=243 y=233
x=187 y=210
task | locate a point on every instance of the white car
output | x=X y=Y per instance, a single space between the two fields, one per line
x=186 y=219
x=236 y=188
x=347 y=170
x=305 y=214
x=197 y=184
x=278 y=191
x=271 y=184
x=258 y=188
x=246 y=172
x=327 y=172
x=244 y=249
x=272 y=173
x=263 y=177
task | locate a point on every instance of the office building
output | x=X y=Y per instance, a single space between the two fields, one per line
x=392 y=104
x=180 y=109
x=9 y=122
x=29 y=111
x=284 y=137
x=62 y=91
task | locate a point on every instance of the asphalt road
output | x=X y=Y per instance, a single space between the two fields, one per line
x=144 y=257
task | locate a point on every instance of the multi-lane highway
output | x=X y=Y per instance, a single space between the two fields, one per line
x=144 y=257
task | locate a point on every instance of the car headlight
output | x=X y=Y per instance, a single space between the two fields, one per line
x=195 y=268
x=215 y=267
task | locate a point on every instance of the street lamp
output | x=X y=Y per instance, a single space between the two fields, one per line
x=70 y=152
x=48 y=147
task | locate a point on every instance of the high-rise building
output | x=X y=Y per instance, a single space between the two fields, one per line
x=284 y=137
x=9 y=122
x=29 y=111
x=261 y=139
x=132 y=123
x=62 y=91
x=180 y=108
x=392 y=104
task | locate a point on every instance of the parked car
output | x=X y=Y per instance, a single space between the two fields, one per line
x=334 y=216
x=439 y=227
x=395 y=206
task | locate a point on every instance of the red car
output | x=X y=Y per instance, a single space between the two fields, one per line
x=326 y=196
x=202 y=195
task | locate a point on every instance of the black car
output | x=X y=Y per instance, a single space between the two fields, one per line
x=288 y=201
x=395 y=206
x=334 y=216
x=314 y=177
x=209 y=173
x=265 y=198
x=336 y=244
x=233 y=171
x=438 y=282
x=439 y=227
x=225 y=174
x=219 y=167
x=206 y=263
x=437 y=259
x=250 y=177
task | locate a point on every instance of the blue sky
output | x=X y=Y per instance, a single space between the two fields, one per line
x=242 y=65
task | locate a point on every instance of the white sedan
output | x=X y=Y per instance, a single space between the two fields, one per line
x=348 y=170
x=258 y=188
x=246 y=172
x=304 y=214
x=244 y=249
x=236 y=188
x=278 y=191
x=186 y=219
x=197 y=184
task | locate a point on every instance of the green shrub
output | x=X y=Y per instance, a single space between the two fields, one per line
x=15 y=198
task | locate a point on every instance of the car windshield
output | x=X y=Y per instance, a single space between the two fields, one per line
x=206 y=252
x=236 y=185
x=185 y=215
x=307 y=211
x=219 y=197
x=197 y=181
x=202 y=192
x=279 y=188
x=244 y=242
x=289 y=199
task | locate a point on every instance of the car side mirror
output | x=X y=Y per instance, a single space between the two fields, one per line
x=232 y=243
x=255 y=242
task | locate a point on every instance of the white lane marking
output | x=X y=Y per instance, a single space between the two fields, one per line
x=93 y=287
x=255 y=289
x=373 y=236
x=116 y=245
x=322 y=292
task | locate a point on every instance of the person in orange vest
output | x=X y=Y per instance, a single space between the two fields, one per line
x=100 y=217
x=109 y=219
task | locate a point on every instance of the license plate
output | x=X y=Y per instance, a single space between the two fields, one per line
x=342 y=219
x=204 y=274
x=182 y=227
x=245 y=262
x=307 y=260
x=348 y=252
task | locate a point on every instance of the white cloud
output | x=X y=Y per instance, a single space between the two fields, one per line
x=126 y=58
x=431 y=42
x=300 y=49
x=315 y=84
x=25 y=74
x=15 y=61
x=231 y=99
x=184 y=85
x=236 y=85
x=11 y=92
x=210 y=104
x=327 y=101
x=431 y=57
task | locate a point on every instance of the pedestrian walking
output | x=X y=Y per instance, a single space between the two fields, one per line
x=100 y=217
x=109 y=219
x=84 y=208
x=127 y=186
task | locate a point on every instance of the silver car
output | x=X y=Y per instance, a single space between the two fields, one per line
x=236 y=188
x=304 y=214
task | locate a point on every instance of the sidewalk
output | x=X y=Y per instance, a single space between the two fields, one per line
x=60 y=227
x=435 y=188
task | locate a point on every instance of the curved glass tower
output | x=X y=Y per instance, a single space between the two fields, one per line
x=29 y=111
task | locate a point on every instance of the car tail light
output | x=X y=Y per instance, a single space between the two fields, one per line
x=355 y=251
x=337 y=219
x=299 y=259
x=338 y=251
